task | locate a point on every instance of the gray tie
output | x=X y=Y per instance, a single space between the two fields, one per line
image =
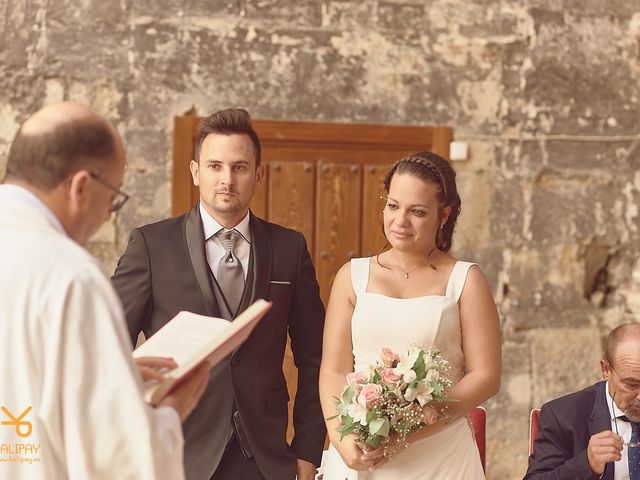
x=230 y=274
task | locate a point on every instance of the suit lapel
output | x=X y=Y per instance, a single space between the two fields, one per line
x=599 y=421
x=194 y=239
x=262 y=257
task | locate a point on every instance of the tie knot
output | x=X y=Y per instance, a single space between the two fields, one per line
x=228 y=238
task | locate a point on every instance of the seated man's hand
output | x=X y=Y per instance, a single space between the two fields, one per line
x=186 y=395
x=153 y=368
x=604 y=447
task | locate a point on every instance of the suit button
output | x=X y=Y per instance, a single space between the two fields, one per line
x=236 y=414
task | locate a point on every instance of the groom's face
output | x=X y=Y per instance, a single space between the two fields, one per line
x=227 y=176
x=623 y=375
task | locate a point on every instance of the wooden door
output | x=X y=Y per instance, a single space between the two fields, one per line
x=322 y=179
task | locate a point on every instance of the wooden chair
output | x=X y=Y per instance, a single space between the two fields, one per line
x=534 y=417
x=478 y=417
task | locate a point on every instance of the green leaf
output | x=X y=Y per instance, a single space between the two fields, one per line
x=373 y=441
x=370 y=416
x=347 y=395
x=379 y=426
x=437 y=389
x=419 y=367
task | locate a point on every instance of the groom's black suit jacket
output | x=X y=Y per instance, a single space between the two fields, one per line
x=164 y=270
x=565 y=427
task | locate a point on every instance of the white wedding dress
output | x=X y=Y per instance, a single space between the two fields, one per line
x=379 y=321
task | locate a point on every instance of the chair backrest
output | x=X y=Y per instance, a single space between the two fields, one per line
x=533 y=427
x=478 y=417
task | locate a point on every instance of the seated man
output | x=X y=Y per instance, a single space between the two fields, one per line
x=586 y=434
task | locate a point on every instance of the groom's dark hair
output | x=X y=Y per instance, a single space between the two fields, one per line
x=231 y=121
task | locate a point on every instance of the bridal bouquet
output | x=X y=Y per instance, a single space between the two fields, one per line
x=384 y=405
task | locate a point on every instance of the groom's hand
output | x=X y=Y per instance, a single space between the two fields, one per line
x=305 y=470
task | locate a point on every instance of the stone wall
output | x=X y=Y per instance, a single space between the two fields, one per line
x=545 y=92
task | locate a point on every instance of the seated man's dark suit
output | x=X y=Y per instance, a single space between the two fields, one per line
x=565 y=427
x=164 y=270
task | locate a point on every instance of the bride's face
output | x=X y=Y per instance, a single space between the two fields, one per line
x=412 y=215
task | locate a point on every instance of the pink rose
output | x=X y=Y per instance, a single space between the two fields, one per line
x=390 y=378
x=429 y=415
x=369 y=394
x=389 y=357
x=359 y=378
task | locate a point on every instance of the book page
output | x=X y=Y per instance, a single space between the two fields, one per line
x=190 y=338
x=182 y=336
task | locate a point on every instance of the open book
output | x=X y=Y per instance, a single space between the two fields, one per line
x=190 y=339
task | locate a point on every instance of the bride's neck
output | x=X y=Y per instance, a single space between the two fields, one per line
x=408 y=260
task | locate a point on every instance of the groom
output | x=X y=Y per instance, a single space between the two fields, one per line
x=216 y=260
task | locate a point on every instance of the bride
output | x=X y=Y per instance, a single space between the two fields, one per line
x=413 y=292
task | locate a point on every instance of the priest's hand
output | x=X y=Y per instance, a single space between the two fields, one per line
x=186 y=395
x=154 y=368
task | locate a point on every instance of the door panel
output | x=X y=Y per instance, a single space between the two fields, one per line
x=291 y=197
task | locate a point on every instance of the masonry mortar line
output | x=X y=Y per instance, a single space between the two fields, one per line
x=558 y=137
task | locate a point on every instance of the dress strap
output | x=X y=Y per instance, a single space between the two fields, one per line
x=360 y=274
x=457 y=279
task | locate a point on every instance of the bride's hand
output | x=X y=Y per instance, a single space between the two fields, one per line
x=356 y=458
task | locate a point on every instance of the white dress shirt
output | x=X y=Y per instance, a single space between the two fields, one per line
x=213 y=245
x=621 y=467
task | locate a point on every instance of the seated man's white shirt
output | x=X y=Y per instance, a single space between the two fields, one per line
x=621 y=467
x=64 y=351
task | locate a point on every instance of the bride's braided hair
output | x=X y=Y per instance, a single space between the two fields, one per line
x=434 y=169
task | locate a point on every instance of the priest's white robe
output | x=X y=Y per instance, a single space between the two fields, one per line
x=64 y=352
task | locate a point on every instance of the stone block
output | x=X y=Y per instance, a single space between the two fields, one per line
x=510 y=211
x=70 y=24
x=401 y=16
x=299 y=13
x=587 y=7
x=186 y=8
x=564 y=360
x=576 y=61
x=579 y=208
x=348 y=14
x=524 y=159
x=102 y=96
x=472 y=229
x=506 y=458
x=601 y=157
x=147 y=148
x=8 y=122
